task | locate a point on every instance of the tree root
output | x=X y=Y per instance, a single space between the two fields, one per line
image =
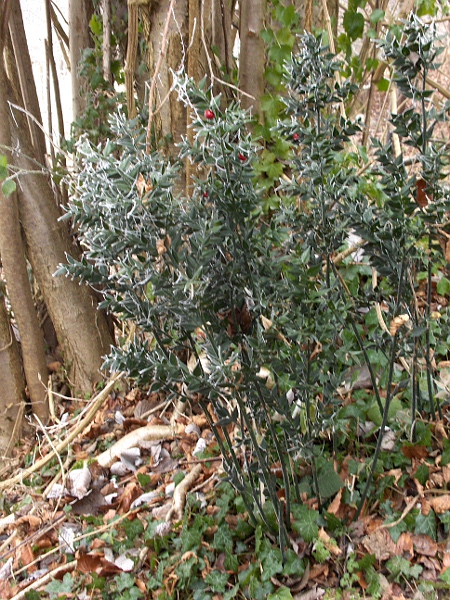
x=180 y=493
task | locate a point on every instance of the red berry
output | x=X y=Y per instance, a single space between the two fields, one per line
x=242 y=157
x=209 y=114
x=295 y=137
x=205 y=194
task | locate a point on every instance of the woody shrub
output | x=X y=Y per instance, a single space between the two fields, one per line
x=252 y=313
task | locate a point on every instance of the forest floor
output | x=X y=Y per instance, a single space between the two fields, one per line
x=90 y=510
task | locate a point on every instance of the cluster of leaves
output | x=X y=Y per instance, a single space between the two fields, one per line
x=249 y=313
x=280 y=38
x=101 y=97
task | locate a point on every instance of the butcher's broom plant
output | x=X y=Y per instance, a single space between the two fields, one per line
x=221 y=296
x=249 y=313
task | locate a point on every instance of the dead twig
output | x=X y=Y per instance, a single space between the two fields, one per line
x=45 y=579
x=96 y=403
x=148 y=433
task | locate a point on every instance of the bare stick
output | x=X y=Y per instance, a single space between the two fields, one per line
x=130 y=64
x=134 y=438
x=107 y=40
x=97 y=402
x=50 y=576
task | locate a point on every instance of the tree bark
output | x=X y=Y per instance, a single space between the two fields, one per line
x=251 y=61
x=106 y=10
x=130 y=62
x=221 y=31
x=19 y=292
x=172 y=114
x=27 y=85
x=12 y=251
x=82 y=330
x=20 y=296
x=80 y=14
x=12 y=398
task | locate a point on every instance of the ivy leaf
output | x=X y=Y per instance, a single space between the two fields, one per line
x=32 y=595
x=426 y=524
x=329 y=482
x=280 y=594
x=8 y=187
x=353 y=24
x=305 y=522
x=445 y=576
x=223 y=540
x=426 y=7
x=376 y=15
x=217 y=581
x=56 y=588
x=443 y=286
x=95 y=25
x=231 y=593
x=383 y=85
x=3 y=167
x=445 y=460
x=133 y=528
x=272 y=564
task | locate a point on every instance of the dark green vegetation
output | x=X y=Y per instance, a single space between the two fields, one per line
x=259 y=314
x=247 y=303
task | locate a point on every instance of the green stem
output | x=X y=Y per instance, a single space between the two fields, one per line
x=381 y=432
x=389 y=396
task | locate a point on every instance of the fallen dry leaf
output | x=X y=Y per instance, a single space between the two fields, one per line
x=31 y=521
x=423 y=544
x=329 y=543
x=380 y=544
x=405 y=546
x=313 y=594
x=446 y=474
x=414 y=451
x=319 y=571
x=398 y=322
x=89 y=563
x=25 y=556
x=335 y=504
x=440 y=504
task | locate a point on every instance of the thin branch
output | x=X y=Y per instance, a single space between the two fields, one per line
x=130 y=63
x=107 y=40
x=213 y=77
x=50 y=576
x=96 y=403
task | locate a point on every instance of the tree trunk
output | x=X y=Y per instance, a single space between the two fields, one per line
x=31 y=336
x=82 y=330
x=27 y=85
x=80 y=13
x=172 y=114
x=251 y=62
x=12 y=398
x=19 y=292
x=221 y=31
x=130 y=62
x=106 y=13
